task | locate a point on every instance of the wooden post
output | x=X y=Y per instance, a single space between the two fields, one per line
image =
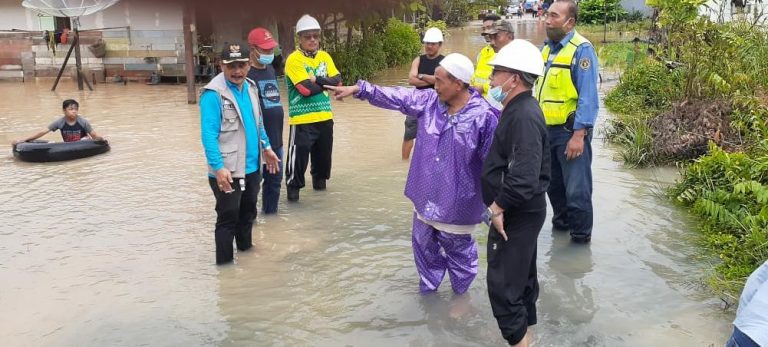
x=78 y=61
x=63 y=66
x=189 y=57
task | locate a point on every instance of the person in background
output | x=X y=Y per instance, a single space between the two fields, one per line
x=482 y=71
x=73 y=126
x=263 y=75
x=501 y=34
x=422 y=76
x=568 y=96
x=307 y=71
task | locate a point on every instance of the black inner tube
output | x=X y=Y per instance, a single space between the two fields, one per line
x=43 y=151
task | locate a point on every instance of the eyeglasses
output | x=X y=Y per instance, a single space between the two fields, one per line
x=310 y=37
x=497 y=71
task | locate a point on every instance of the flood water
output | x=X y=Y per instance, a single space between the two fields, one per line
x=117 y=250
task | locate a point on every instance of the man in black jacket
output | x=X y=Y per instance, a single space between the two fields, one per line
x=515 y=179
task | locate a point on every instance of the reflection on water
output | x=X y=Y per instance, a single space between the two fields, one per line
x=118 y=249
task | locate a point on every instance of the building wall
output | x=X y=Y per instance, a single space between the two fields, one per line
x=14 y=16
x=722 y=11
x=154 y=42
x=636 y=5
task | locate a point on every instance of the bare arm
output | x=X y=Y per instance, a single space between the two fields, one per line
x=413 y=75
x=33 y=137
x=95 y=136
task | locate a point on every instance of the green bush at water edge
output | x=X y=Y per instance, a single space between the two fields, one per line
x=729 y=191
x=396 y=44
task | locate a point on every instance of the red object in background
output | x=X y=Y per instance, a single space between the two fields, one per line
x=64 y=36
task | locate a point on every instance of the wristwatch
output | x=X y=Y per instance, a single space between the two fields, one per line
x=420 y=76
x=493 y=215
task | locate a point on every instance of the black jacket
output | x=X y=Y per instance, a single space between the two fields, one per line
x=516 y=169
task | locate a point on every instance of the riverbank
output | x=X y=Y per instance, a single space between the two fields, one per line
x=702 y=104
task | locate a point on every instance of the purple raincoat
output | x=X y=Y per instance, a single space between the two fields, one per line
x=444 y=178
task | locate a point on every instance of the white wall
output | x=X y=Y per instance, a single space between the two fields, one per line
x=722 y=11
x=14 y=16
x=142 y=16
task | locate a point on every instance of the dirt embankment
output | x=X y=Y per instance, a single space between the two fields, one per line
x=684 y=132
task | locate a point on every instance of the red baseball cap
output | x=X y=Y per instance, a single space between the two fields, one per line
x=261 y=38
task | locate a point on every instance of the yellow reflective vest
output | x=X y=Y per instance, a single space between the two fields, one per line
x=482 y=75
x=556 y=92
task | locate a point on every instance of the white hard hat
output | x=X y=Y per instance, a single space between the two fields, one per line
x=307 y=22
x=459 y=66
x=520 y=55
x=433 y=35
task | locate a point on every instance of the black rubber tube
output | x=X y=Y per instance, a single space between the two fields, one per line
x=40 y=152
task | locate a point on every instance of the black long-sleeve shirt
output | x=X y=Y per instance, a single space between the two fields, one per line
x=517 y=167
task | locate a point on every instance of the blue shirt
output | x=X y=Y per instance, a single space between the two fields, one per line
x=752 y=315
x=584 y=79
x=210 y=126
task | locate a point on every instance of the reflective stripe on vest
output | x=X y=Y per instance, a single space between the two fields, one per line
x=556 y=92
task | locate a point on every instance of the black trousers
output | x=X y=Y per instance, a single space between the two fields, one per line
x=305 y=140
x=235 y=213
x=513 y=285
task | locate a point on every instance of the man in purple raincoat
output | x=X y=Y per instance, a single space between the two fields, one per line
x=455 y=130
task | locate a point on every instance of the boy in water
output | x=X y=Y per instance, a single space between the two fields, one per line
x=73 y=127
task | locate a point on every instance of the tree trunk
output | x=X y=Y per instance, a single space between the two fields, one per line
x=349 y=36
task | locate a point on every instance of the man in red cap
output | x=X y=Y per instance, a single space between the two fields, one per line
x=262 y=73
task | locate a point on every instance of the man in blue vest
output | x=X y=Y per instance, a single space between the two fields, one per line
x=568 y=97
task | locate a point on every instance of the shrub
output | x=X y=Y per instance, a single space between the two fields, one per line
x=386 y=44
x=730 y=192
x=597 y=11
x=402 y=42
x=647 y=87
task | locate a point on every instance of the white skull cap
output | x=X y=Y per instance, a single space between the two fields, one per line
x=459 y=66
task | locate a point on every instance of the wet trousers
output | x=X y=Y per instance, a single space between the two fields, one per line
x=570 y=187
x=305 y=140
x=436 y=252
x=271 y=186
x=235 y=213
x=513 y=286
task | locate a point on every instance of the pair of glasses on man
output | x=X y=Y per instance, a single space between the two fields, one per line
x=315 y=37
x=497 y=70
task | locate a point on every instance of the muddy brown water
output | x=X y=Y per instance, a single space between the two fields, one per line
x=117 y=250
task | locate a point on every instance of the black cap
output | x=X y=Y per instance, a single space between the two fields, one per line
x=236 y=51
